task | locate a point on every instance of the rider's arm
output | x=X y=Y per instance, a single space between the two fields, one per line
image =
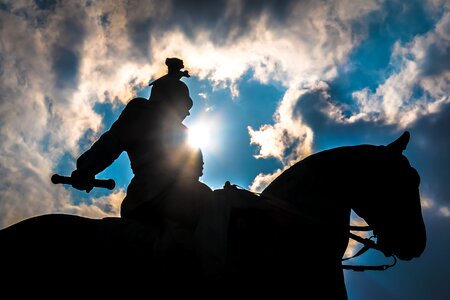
x=104 y=151
x=101 y=155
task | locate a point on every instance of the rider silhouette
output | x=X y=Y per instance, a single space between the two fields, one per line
x=166 y=169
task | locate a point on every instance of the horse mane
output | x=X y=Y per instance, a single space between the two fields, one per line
x=330 y=166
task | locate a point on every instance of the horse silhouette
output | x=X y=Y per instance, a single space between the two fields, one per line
x=291 y=238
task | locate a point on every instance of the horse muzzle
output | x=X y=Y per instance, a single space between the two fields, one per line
x=405 y=246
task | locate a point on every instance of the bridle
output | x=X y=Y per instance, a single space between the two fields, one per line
x=367 y=244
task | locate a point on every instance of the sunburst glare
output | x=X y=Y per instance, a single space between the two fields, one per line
x=199 y=136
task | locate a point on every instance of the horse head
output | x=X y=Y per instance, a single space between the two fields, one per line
x=391 y=204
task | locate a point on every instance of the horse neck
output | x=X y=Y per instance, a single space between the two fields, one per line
x=314 y=191
x=325 y=185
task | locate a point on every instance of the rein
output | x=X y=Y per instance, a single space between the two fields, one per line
x=368 y=244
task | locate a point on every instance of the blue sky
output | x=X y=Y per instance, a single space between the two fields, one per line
x=274 y=81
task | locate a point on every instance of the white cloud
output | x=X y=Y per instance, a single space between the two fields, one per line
x=288 y=130
x=444 y=211
x=431 y=206
x=420 y=87
x=261 y=181
x=426 y=202
x=106 y=206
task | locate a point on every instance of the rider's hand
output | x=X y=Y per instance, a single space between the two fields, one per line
x=82 y=181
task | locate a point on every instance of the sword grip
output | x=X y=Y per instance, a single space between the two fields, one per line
x=102 y=183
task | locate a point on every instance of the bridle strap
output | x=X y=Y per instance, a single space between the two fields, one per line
x=360 y=228
x=368 y=244
x=362 y=268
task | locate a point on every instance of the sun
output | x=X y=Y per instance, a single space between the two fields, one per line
x=199 y=136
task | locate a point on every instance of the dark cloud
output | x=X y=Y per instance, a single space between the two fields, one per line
x=198 y=13
x=431 y=148
x=436 y=60
x=225 y=19
x=46 y=4
x=4 y=6
x=104 y=20
x=309 y=107
x=139 y=32
x=72 y=30
x=65 y=65
x=67 y=47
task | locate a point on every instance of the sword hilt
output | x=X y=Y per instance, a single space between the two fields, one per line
x=102 y=183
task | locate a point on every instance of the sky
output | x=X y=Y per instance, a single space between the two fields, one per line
x=272 y=82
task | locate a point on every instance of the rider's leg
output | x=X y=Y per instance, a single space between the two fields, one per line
x=196 y=205
x=211 y=236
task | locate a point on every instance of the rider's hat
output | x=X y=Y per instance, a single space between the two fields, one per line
x=170 y=88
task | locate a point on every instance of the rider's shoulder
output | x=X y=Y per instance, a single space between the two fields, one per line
x=138 y=102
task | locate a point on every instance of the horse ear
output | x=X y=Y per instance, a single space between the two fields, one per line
x=400 y=144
